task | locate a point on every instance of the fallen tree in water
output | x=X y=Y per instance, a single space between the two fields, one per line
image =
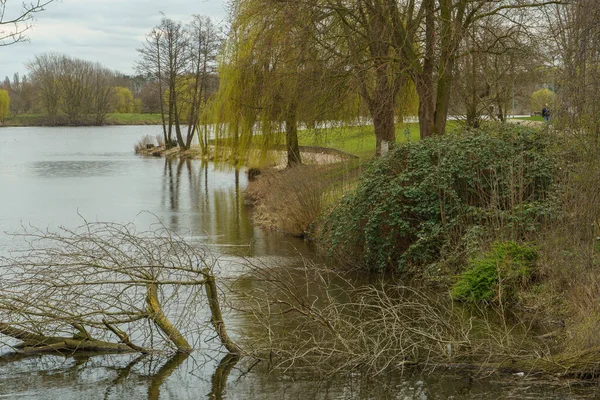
x=105 y=287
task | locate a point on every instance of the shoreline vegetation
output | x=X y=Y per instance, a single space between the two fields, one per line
x=477 y=202
x=491 y=216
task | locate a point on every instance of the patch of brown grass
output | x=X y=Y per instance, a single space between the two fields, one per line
x=290 y=200
x=569 y=253
x=144 y=144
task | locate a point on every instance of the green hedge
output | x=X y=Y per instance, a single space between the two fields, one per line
x=423 y=197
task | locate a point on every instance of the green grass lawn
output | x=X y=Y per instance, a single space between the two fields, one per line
x=23 y=120
x=357 y=140
x=535 y=118
x=133 y=119
x=111 y=119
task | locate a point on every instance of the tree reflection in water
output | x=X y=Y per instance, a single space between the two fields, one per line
x=120 y=379
x=208 y=198
x=219 y=377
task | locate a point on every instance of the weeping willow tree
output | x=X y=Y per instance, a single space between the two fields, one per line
x=273 y=81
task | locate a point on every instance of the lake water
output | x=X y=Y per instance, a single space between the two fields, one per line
x=52 y=177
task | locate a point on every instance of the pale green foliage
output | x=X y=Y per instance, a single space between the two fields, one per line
x=123 y=100
x=4 y=104
x=496 y=275
x=272 y=77
x=137 y=106
x=407 y=101
x=541 y=98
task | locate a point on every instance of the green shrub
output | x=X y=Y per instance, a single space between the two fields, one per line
x=496 y=274
x=540 y=99
x=418 y=202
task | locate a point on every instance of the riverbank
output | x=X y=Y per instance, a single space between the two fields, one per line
x=276 y=159
x=512 y=239
x=287 y=200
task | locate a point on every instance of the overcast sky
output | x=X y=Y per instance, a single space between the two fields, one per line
x=107 y=31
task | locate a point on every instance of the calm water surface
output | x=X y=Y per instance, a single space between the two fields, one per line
x=52 y=177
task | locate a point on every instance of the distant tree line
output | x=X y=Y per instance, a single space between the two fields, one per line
x=285 y=65
x=177 y=76
x=67 y=90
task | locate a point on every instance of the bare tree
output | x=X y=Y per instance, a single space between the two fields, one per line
x=15 y=23
x=573 y=58
x=44 y=71
x=165 y=55
x=106 y=287
x=181 y=59
x=72 y=91
x=205 y=42
x=498 y=66
x=151 y=64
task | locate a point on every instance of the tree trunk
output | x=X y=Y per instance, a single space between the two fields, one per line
x=180 y=141
x=443 y=98
x=382 y=112
x=160 y=95
x=216 y=316
x=424 y=79
x=424 y=86
x=161 y=320
x=445 y=68
x=34 y=343
x=291 y=136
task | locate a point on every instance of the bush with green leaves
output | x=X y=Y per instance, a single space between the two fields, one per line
x=495 y=275
x=421 y=199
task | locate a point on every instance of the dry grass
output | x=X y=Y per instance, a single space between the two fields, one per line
x=570 y=250
x=143 y=144
x=316 y=319
x=290 y=200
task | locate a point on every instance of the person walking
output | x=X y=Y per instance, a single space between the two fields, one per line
x=546 y=113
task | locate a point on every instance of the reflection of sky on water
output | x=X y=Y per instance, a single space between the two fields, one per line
x=56 y=176
x=52 y=177
x=73 y=169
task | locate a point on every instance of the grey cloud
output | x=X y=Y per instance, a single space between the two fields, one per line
x=106 y=31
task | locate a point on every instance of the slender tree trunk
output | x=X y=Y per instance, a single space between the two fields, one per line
x=160 y=319
x=443 y=98
x=160 y=95
x=180 y=140
x=291 y=136
x=424 y=86
x=170 y=120
x=424 y=80
x=216 y=316
x=445 y=69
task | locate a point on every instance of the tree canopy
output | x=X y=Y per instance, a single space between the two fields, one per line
x=375 y=47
